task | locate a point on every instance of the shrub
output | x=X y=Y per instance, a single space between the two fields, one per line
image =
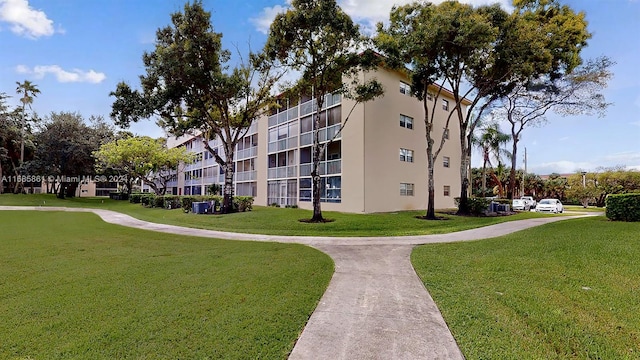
x=243 y=203
x=172 y=202
x=147 y=199
x=135 y=198
x=186 y=202
x=623 y=207
x=477 y=205
x=158 y=202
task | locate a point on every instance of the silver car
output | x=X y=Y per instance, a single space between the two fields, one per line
x=553 y=206
x=520 y=204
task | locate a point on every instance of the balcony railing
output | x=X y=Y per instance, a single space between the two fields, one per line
x=324 y=168
x=246 y=176
x=282 y=172
x=284 y=144
x=247 y=153
x=325 y=134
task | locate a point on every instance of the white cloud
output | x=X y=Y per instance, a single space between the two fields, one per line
x=75 y=75
x=266 y=17
x=25 y=20
x=365 y=12
x=628 y=159
x=561 y=167
x=636 y=123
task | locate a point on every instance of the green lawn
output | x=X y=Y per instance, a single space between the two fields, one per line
x=74 y=287
x=277 y=221
x=558 y=291
x=583 y=209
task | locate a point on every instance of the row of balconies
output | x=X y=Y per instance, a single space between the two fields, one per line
x=302 y=110
x=306 y=139
x=325 y=168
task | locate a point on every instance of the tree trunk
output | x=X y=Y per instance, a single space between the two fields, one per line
x=317 y=154
x=1 y=179
x=463 y=207
x=317 y=184
x=61 y=191
x=431 y=207
x=512 y=173
x=227 y=200
x=484 y=178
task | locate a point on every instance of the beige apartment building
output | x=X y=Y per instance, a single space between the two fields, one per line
x=377 y=164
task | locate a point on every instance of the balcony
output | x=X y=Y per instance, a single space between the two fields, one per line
x=282 y=172
x=324 y=168
x=284 y=144
x=246 y=176
x=246 y=153
x=325 y=134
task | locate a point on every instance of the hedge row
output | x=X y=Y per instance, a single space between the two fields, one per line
x=623 y=207
x=240 y=203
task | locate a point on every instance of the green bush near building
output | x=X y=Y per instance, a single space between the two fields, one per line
x=623 y=207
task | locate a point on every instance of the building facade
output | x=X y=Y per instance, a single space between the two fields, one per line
x=376 y=164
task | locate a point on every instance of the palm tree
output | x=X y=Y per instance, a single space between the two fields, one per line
x=491 y=142
x=28 y=91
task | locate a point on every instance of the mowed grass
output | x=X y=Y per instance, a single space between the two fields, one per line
x=74 y=287
x=279 y=221
x=567 y=290
x=583 y=209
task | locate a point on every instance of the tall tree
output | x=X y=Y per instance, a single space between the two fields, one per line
x=491 y=142
x=321 y=41
x=188 y=85
x=143 y=158
x=575 y=93
x=415 y=39
x=65 y=147
x=27 y=90
x=5 y=137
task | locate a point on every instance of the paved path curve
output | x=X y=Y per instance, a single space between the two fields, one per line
x=375 y=307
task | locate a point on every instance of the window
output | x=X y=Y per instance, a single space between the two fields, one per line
x=430 y=96
x=406 y=155
x=406 y=121
x=405 y=88
x=445 y=161
x=447 y=190
x=445 y=104
x=406 y=189
x=445 y=134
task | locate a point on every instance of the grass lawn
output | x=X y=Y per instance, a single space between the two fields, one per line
x=558 y=291
x=277 y=221
x=583 y=209
x=74 y=287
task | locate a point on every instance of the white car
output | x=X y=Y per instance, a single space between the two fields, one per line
x=550 y=205
x=520 y=204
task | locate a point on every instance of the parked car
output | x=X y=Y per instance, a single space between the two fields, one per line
x=550 y=205
x=520 y=204
x=530 y=200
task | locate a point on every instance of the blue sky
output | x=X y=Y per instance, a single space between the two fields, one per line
x=76 y=51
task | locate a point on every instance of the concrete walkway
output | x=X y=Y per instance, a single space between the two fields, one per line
x=375 y=307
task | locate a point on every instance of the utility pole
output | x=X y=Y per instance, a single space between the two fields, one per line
x=524 y=174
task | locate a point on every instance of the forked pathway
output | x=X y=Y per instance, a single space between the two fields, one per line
x=375 y=307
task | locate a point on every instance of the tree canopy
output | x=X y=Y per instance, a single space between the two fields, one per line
x=143 y=158
x=189 y=86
